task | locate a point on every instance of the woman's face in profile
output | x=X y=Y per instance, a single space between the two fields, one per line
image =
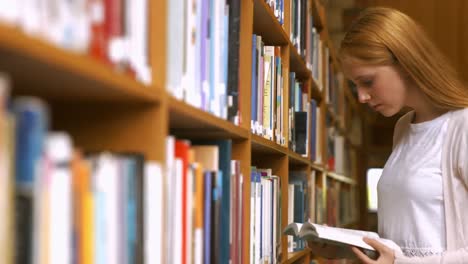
x=381 y=87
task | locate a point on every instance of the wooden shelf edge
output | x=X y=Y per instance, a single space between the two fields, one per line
x=31 y=48
x=295 y=256
x=297 y=63
x=341 y=178
x=265 y=19
x=316 y=92
x=185 y=117
x=263 y=145
x=318 y=15
x=296 y=158
x=318 y=167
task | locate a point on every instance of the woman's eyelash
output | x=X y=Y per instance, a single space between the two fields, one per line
x=367 y=83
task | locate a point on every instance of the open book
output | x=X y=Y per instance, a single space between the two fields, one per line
x=341 y=237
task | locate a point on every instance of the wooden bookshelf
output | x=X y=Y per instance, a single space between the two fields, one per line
x=189 y=121
x=42 y=69
x=341 y=178
x=316 y=92
x=297 y=64
x=318 y=13
x=261 y=145
x=297 y=159
x=104 y=109
x=266 y=25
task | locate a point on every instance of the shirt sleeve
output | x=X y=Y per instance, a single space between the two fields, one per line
x=459 y=256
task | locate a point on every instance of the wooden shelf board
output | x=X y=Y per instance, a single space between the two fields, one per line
x=267 y=25
x=295 y=256
x=262 y=145
x=297 y=159
x=191 y=122
x=316 y=93
x=318 y=15
x=341 y=178
x=318 y=167
x=297 y=64
x=38 y=68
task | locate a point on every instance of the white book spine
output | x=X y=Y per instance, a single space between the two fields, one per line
x=170 y=181
x=175 y=29
x=190 y=52
x=10 y=11
x=154 y=212
x=257 y=222
x=253 y=192
x=59 y=151
x=177 y=211
x=189 y=214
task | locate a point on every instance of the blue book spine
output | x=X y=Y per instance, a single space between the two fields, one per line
x=131 y=210
x=31 y=128
x=254 y=79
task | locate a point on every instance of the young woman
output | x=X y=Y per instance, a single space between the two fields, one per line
x=423 y=191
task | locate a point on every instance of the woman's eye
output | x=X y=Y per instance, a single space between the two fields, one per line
x=367 y=83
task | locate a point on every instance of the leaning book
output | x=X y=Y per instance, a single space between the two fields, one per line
x=342 y=238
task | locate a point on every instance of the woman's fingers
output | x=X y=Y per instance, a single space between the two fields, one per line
x=361 y=256
x=376 y=245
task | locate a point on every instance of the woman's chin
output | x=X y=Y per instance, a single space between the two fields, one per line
x=388 y=112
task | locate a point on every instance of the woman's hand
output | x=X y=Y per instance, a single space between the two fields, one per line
x=387 y=256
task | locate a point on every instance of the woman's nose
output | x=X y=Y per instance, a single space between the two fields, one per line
x=363 y=95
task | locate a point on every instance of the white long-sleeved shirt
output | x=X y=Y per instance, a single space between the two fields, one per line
x=411 y=205
x=455 y=189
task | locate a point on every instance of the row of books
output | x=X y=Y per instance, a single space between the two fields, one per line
x=113 y=31
x=306 y=39
x=301 y=25
x=334 y=207
x=267 y=95
x=339 y=153
x=61 y=206
x=268 y=102
x=111 y=207
x=203 y=203
x=203 y=55
x=301 y=203
x=334 y=97
x=341 y=206
x=277 y=6
x=265 y=216
x=304 y=121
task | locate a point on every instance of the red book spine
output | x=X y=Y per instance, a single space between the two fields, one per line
x=113 y=22
x=181 y=152
x=98 y=43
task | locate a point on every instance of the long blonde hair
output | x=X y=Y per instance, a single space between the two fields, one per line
x=386 y=36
